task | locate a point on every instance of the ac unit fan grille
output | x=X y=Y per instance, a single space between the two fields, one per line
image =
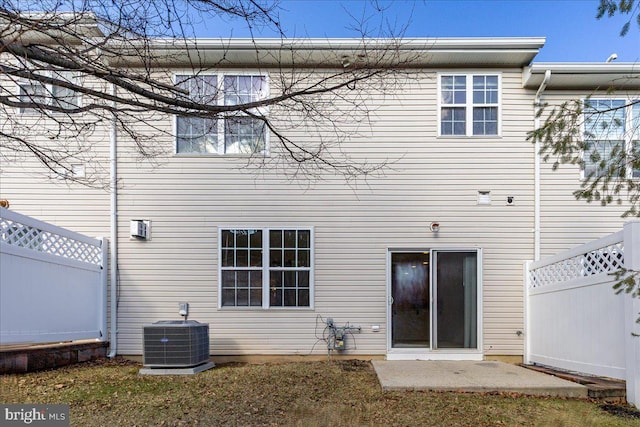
x=173 y=344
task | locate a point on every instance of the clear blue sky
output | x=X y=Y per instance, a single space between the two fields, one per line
x=570 y=27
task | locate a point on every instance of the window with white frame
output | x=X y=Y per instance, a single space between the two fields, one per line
x=611 y=138
x=35 y=92
x=197 y=134
x=236 y=133
x=266 y=268
x=469 y=104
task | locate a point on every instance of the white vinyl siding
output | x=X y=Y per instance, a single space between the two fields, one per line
x=565 y=221
x=190 y=199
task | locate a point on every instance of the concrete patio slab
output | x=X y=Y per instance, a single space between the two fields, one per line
x=467 y=376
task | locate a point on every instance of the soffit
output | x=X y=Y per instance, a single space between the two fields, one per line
x=584 y=76
x=330 y=53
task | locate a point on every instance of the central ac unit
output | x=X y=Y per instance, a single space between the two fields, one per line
x=175 y=344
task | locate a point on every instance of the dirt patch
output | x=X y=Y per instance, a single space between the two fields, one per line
x=354 y=365
x=621 y=411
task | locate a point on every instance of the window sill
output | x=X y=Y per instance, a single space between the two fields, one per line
x=260 y=309
x=469 y=137
x=613 y=180
x=216 y=155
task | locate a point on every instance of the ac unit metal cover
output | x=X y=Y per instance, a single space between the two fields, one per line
x=175 y=344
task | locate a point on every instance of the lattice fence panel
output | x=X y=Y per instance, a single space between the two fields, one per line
x=604 y=260
x=29 y=237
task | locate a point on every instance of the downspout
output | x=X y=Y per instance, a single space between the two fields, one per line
x=113 y=247
x=536 y=221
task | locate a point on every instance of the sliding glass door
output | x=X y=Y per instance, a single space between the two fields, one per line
x=456 y=299
x=411 y=295
x=434 y=299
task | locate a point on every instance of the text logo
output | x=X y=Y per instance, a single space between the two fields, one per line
x=34 y=415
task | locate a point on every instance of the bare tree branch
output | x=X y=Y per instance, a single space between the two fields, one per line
x=86 y=48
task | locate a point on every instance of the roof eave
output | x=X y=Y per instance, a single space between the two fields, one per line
x=423 y=53
x=584 y=76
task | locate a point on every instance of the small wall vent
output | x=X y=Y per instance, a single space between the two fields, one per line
x=140 y=229
x=175 y=344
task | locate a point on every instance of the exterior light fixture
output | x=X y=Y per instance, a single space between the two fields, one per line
x=612 y=57
x=435 y=227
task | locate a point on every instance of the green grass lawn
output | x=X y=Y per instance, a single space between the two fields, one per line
x=329 y=393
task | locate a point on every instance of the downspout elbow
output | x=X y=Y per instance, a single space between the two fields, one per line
x=543 y=86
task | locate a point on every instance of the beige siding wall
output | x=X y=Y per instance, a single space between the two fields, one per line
x=432 y=179
x=565 y=221
x=33 y=190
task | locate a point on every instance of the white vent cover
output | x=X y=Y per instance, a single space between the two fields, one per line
x=484 y=197
x=140 y=229
x=175 y=344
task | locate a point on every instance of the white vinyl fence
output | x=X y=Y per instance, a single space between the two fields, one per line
x=576 y=321
x=52 y=282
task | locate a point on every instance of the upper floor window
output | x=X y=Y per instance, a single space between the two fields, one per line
x=469 y=104
x=41 y=94
x=235 y=133
x=611 y=137
x=266 y=268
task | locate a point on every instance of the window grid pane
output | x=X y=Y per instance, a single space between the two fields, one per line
x=64 y=97
x=454 y=89
x=485 y=120
x=49 y=94
x=469 y=104
x=289 y=288
x=244 y=135
x=241 y=288
x=604 y=119
x=235 y=134
x=197 y=134
x=290 y=267
x=453 y=121
x=243 y=89
x=485 y=89
x=611 y=138
x=288 y=272
x=199 y=88
x=33 y=92
x=599 y=157
x=241 y=266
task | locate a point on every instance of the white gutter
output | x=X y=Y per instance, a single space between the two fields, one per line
x=113 y=247
x=536 y=215
x=327 y=53
x=417 y=43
